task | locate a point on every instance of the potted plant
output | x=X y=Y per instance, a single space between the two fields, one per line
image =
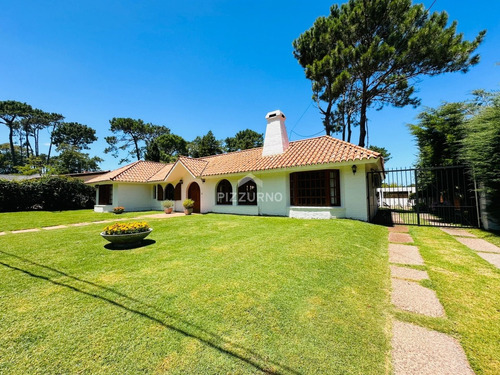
x=118 y=210
x=168 y=206
x=188 y=206
x=126 y=233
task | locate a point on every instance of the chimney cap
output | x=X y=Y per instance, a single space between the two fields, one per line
x=274 y=114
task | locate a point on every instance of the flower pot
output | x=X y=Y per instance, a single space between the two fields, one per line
x=188 y=211
x=168 y=210
x=126 y=239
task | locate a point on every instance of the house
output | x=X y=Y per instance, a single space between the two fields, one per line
x=397 y=196
x=320 y=177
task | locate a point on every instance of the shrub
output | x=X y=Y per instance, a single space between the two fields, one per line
x=168 y=204
x=188 y=203
x=48 y=193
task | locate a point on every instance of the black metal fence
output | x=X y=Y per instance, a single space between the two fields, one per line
x=440 y=196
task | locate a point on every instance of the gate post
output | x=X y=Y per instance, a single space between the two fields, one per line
x=416 y=196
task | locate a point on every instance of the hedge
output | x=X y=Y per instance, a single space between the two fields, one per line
x=48 y=193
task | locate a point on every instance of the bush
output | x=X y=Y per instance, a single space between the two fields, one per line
x=47 y=193
x=188 y=203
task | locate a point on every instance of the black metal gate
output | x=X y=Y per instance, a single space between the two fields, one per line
x=440 y=196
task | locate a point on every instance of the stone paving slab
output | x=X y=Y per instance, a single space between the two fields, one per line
x=2 y=233
x=399 y=229
x=55 y=227
x=420 y=351
x=26 y=230
x=162 y=216
x=408 y=273
x=405 y=254
x=493 y=258
x=400 y=237
x=457 y=232
x=479 y=244
x=413 y=297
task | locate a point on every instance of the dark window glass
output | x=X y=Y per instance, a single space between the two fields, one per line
x=105 y=194
x=169 y=192
x=315 y=188
x=224 y=193
x=159 y=193
x=247 y=193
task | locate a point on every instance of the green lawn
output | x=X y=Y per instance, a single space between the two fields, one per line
x=38 y=219
x=469 y=289
x=209 y=294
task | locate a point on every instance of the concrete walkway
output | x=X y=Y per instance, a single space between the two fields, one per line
x=486 y=250
x=141 y=217
x=417 y=350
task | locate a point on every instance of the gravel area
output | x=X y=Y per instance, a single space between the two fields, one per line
x=479 y=244
x=457 y=232
x=400 y=237
x=408 y=273
x=420 y=351
x=493 y=258
x=413 y=297
x=405 y=254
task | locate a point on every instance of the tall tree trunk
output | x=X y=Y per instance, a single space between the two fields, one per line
x=11 y=141
x=137 y=151
x=349 y=131
x=362 y=120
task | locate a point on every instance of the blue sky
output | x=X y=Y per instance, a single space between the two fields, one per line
x=201 y=65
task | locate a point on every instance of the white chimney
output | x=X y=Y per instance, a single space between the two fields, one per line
x=276 y=139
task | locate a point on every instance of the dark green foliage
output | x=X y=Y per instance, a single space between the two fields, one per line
x=205 y=146
x=382 y=150
x=11 y=112
x=71 y=160
x=134 y=134
x=244 y=140
x=166 y=148
x=366 y=53
x=481 y=150
x=439 y=134
x=48 y=193
x=74 y=134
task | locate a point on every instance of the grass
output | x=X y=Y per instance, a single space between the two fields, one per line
x=37 y=219
x=208 y=294
x=469 y=289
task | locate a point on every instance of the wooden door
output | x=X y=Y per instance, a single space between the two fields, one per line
x=194 y=194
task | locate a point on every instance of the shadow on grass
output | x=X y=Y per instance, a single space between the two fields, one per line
x=178 y=324
x=136 y=245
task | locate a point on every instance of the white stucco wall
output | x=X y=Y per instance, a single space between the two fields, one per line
x=134 y=197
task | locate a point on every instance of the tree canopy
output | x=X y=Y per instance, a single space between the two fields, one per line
x=74 y=134
x=243 y=140
x=205 y=146
x=132 y=135
x=10 y=112
x=166 y=148
x=368 y=52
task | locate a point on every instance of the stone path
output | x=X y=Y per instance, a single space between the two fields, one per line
x=417 y=350
x=486 y=250
x=151 y=216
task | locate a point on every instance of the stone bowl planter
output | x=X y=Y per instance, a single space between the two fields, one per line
x=126 y=239
x=168 y=210
x=188 y=211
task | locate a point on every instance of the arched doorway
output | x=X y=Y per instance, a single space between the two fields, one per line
x=194 y=194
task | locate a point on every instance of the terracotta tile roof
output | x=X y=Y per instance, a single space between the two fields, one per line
x=139 y=171
x=162 y=173
x=312 y=151
x=195 y=166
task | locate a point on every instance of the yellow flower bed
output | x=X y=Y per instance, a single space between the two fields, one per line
x=127 y=228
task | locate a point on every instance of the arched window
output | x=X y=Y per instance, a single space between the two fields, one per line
x=224 y=193
x=169 y=192
x=159 y=193
x=178 y=192
x=247 y=192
